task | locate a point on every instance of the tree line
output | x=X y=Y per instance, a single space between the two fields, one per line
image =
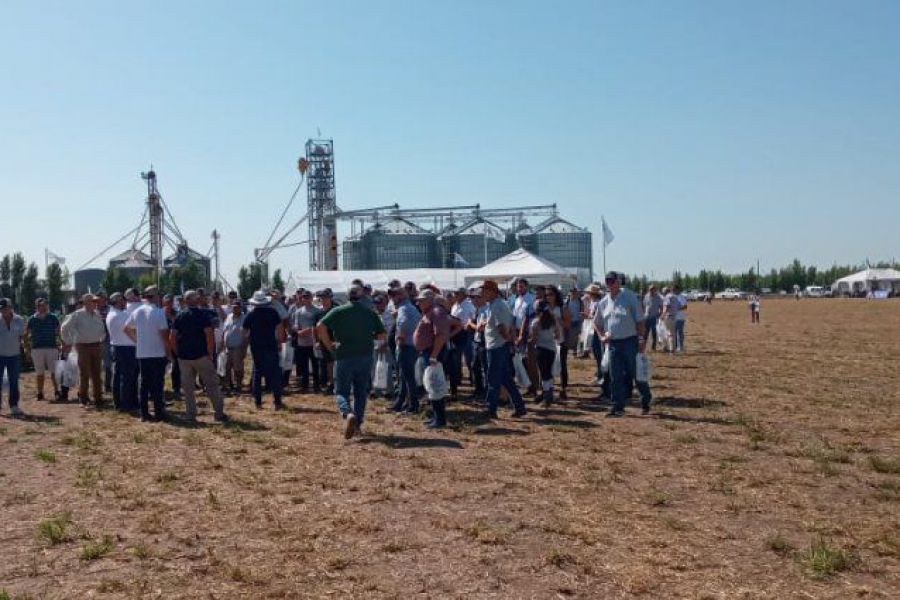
x=22 y=284
x=783 y=279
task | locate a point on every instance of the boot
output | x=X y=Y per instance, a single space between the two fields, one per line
x=548 y=398
x=439 y=409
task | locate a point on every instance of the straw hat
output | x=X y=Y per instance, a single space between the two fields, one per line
x=260 y=298
x=593 y=289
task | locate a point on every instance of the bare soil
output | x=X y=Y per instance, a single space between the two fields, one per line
x=769 y=469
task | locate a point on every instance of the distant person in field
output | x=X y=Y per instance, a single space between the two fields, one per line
x=43 y=334
x=653 y=308
x=349 y=332
x=753 y=303
x=680 y=317
x=12 y=329
x=85 y=330
x=620 y=323
x=149 y=330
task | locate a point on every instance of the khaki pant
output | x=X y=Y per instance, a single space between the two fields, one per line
x=90 y=366
x=205 y=368
x=531 y=366
x=234 y=366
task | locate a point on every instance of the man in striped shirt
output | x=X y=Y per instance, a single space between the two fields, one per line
x=43 y=333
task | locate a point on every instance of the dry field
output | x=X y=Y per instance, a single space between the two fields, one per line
x=770 y=469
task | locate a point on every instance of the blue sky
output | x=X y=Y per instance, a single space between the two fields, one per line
x=710 y=134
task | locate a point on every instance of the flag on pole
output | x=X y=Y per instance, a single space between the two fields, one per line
x=608 y=236
x=55 y=258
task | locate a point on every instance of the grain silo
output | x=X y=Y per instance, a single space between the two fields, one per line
x=88 y=280
x=473 y=244
x=392 y=244
x=183 y=255
x=561 y=242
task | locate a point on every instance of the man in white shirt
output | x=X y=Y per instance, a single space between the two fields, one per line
x=464 y=310
x=125 y=374
x=148 y=328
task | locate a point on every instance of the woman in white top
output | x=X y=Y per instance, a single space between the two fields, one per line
x=545 y=335
x=754 y=308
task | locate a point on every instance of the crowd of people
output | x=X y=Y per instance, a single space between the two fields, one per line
x=395 y=343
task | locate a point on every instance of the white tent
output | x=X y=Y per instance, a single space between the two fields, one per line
x=339 y=281
x=863 y=281
x=522 y=263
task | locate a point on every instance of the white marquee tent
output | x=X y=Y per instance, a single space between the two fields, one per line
x=339 y=281
x=881 y=279
x=522 y=263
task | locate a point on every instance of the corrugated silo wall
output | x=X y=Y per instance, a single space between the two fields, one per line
x=404 y=251
x=565 y=249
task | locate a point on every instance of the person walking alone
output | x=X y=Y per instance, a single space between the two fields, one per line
x=85 y=330
x=43 y=334
x=620 y=323
x=192 y=338
x=349 y=332
x=149 y=330
x=754 y=307
x=12 y=329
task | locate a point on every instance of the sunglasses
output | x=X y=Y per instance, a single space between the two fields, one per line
x=610 y=280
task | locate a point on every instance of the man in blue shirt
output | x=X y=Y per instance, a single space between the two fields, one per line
x=619 y=322
x=408 y=317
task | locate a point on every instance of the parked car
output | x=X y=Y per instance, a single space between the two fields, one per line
x=814 y=291
x=731 y=294
x=765 y=291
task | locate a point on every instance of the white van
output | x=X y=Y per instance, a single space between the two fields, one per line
x=814 y=291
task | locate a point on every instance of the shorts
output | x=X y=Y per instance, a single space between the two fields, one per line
x=44 y=359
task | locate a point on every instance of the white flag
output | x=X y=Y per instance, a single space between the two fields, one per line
x=608 y=236
x=55 y=258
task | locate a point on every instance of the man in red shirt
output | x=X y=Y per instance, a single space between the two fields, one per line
x=430 y=338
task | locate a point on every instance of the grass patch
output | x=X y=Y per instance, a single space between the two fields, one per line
x=684 y=438
x=45 y=455
x=823 y=561
x=559 y=559
x=213 y=500
x=86 y=441
x=885 y=465
x=888 y=490
x=57 y=529
x=167 y=477
x=88 y=476
x=823 y=453
x=659 y=498
x=141 y=551
x=483 y=533
x=95 y=550
x=779 y=545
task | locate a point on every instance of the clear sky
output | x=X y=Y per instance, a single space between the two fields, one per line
x=710 y=134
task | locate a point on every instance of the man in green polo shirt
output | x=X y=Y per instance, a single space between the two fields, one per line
x=43 y=333
x=349 y=332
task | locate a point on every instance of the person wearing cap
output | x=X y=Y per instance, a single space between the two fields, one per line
x=264 y=330
x=132 y=300
x=412 y=292
x=653 y=308
x=619 y=322
x=303 y=319
x=408 y=317
x=349 y=331
x=383 y=347
x=148 y=328
x=499 y=333
x=192 y=338
x=42 y=336
x=12 y=329
x=325 y=303
x=85 y=330
x=235 y=347
x=574 y=307
x=430 y=337
x=125 y=373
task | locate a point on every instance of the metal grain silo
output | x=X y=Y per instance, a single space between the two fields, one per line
x=561 y=242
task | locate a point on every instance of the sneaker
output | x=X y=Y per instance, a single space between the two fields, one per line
x=279 y=405
x=15 y=411
x=490 y=414
x=349 y=425
x=614 y=414
x=223 y=418
x=520 y=413
x=645 y=411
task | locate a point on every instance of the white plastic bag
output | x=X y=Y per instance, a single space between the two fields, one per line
x=435 y=382
x=382 y=372
x=642 y=368
x=662 y=333
x=420 y=370
x=221 y=363
x=67 y=373
x=521 y=371
x=557 y=363
x=287 y=357
x=586 y=339
x=604 y=362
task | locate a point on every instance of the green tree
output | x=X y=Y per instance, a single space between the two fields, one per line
x=54 y=283
x=277 y=281
x=5 y=274
x=17 y=274
x=28 y=293
x=249 y=280
x=116 y=280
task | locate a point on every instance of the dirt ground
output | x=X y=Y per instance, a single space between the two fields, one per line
x=769 y=469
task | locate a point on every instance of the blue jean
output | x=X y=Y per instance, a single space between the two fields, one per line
x=125 y=378
x=266 y=364
x=623 y=370
x=153 y=380
x=353 y=374
x=108 y=373
x=597 y=351
x=650 y=325
x=10 y=365
x=679 y=335
x=500 y=374
x=408 y=391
